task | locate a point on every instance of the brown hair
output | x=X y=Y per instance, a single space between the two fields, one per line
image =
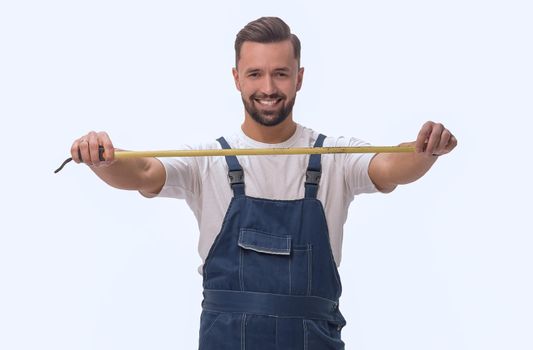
x=266 y=30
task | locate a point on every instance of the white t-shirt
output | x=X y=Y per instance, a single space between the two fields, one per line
x=203 y=181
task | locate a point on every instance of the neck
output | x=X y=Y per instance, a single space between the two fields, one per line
x=268 y=134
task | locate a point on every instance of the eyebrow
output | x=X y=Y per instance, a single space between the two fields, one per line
x=252 y=70
x=256 y=70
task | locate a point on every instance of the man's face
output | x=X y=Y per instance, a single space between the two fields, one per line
x=268 y=78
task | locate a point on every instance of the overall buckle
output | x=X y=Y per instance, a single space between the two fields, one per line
x=236 y=177
x=312 y=177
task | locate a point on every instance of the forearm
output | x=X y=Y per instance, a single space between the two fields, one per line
x=124 y=174
x=388 y=170
x=404 y=168
x=132 y=174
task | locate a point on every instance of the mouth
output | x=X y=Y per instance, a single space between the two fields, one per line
x=268 y=102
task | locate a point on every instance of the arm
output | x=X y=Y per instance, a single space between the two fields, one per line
x=388 y=170
x=146 y=175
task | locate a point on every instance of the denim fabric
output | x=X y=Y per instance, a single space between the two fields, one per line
x=272 y=252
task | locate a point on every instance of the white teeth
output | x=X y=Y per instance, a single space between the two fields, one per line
x=267 y=102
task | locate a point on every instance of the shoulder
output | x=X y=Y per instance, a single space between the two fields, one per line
x=309 y=136
x=347 y=161
x=344 y=141
x=190 y=164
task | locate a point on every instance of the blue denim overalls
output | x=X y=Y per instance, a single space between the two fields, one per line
x=270 y=281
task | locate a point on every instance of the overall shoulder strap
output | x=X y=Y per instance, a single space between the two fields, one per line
x=235 y=172
x=314 y=171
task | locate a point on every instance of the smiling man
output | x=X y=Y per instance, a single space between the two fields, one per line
x=271 y=227
x=265 y=74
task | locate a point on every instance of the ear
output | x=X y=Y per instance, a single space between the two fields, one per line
x=236 y=78
x=300 y=78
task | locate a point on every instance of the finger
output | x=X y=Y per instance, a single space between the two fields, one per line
x=93 y=148
x=109 y=149
x=444 y=140
x=423 y=136
x=451 y=144
x=74 y=151
x=434 y=139
x=83 y=146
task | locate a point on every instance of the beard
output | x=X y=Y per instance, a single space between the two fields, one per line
x=269 y=117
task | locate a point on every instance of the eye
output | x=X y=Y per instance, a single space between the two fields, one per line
x=253 y=75
x=281 y=75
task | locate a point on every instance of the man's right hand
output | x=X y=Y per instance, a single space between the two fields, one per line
x=146 y=175
x=86 y=149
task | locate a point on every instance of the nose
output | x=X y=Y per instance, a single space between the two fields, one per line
x=268 y=86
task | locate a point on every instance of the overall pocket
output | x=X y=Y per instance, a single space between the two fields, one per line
x=273 y=264
x=301 y=269
x=264 y=262
x=322 y=335
x=215 y=326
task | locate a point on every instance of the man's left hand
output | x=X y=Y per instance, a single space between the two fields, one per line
x=434 y=140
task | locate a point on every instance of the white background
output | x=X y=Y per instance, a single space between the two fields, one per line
x=444 y=263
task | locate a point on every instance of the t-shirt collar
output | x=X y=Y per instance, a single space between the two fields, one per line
x=285 y=144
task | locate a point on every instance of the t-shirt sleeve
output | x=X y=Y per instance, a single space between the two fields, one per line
x=355 y=168
x=182 y=178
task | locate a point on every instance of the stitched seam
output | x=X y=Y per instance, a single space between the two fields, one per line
x=273 y=251
x=290 y=275
x=276 y=332
x=243 y=333
x=263 y=293
x=309 y=268
x=210 y=326
x=244 y=229
x=241 y=270
x=305 y=333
